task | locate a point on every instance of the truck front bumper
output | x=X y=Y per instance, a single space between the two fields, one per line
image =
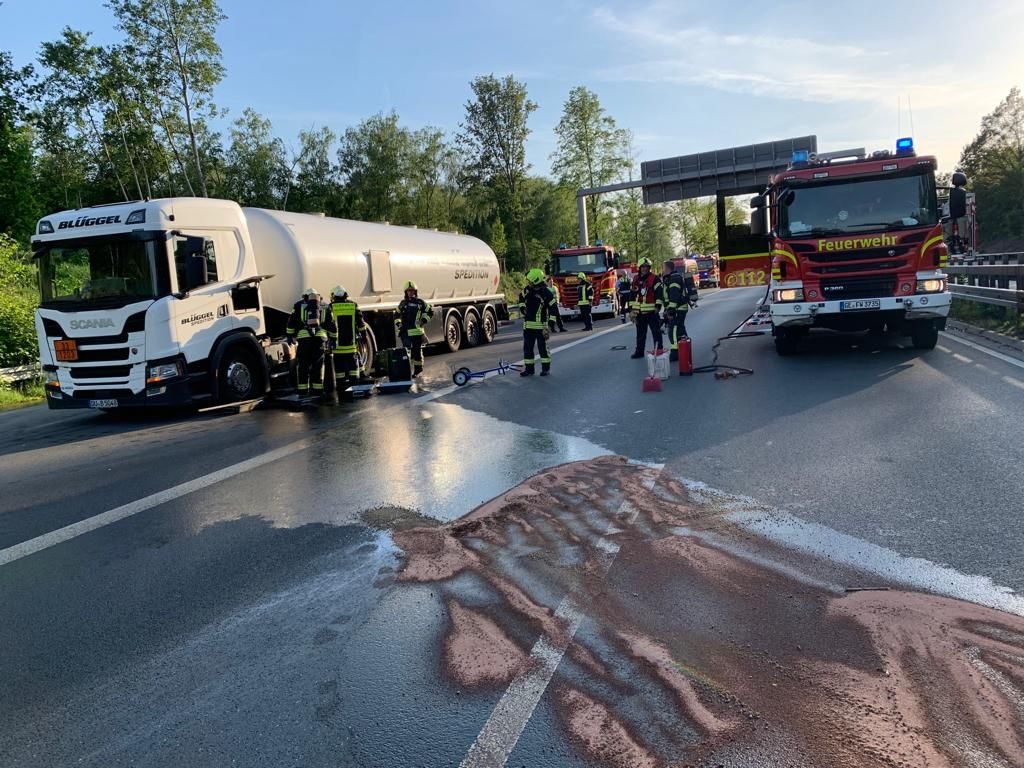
x=924 y=306
x=173 y=393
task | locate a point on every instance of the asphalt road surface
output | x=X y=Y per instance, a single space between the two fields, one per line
x=814 y=565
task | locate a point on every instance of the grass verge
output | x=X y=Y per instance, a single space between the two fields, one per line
x=1004 y=320
x=21 y=394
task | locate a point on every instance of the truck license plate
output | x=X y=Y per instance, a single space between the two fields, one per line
x=103 y=403
x=846 y=306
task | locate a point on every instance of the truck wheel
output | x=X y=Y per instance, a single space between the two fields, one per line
x=452 y=332
x=786 y=342
x=239 y=376
x=366 y=349
x=925 y=335
x=472 y=328
x=488 y=326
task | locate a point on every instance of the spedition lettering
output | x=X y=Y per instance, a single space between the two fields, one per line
x=879 y=241
x=89 y=221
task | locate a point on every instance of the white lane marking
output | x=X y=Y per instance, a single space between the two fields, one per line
x=554 y=350
x=47 y=540
x=961 y=358
x=513 y=711
x=983 y=350
x=1015 y=382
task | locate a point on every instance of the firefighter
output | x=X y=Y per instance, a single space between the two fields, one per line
x=555 y=314
x=679 y=294
x=624 y=289
x=413 y=314
x=645 y=306
x=310 y=324
x=349 y=325
x=534 y=304
x=585 y=301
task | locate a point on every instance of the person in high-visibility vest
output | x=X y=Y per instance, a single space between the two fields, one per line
x=586 y=301
x=413 y=314
x=310 y=325
x=349 y=325
x=555 y=314
x=679 y=294
x=645 y=306
x=534 y=304
x=624 y=288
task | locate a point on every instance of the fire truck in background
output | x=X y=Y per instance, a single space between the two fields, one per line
x=707 y=271
x=599 y=262
x=855 y=243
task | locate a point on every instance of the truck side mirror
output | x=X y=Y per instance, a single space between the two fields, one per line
x=759 y=221
x=957 y=203
x=758 y=202
x=615 y=261
x=196 y=272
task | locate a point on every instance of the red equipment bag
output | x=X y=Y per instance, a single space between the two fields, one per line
x=685 y=356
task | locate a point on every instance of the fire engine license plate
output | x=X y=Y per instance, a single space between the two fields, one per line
x=847 y=306
x=103 y=403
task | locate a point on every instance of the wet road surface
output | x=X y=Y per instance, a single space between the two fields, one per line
x=541 y=572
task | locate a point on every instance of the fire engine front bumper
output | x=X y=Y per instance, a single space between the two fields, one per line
x=927 y=306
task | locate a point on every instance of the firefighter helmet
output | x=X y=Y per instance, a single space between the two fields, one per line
x=535 y=276
x=339 y=291
x=644 y=262
x=582 y=275
x=409 y=286
x=309 y=292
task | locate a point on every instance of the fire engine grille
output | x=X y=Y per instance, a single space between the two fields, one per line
x=858 y=287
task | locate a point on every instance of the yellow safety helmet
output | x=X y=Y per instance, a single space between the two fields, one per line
x=535 y=276
x=582 y=275
x=645 y=262
x=409 y=286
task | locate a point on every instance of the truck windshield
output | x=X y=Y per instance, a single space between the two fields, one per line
x=581 y=262
x=705 y=264
x=107 y=272
x=858 y=205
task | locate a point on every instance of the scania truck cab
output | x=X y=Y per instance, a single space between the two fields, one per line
x=855 y=243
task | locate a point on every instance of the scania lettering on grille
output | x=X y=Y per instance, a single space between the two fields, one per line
x=103 y=322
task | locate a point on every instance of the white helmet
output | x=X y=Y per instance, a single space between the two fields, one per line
x=339 y=290
x=309 y=292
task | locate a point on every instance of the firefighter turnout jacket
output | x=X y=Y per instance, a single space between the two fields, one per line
x=646 y=294
x=311 y=318
x=535 y=302
x=413 y=314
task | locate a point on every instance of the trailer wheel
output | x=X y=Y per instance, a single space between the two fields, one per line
x=924 y=335
x=472 y=328
x=452 y=332
x=488 y=326
x=238 y=376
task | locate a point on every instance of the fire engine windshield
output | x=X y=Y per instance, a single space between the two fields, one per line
x=102 y=272
x=859 y=205
x=570 y=264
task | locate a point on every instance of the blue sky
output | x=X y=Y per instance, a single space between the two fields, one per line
x=683 y=76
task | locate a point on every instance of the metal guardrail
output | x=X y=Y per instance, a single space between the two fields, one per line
x=19 y=373
x=993 y=278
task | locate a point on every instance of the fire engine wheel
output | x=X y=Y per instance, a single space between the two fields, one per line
x=472 y=330
x=238 y=376
x=925 y=335
x=786 y=342
x=488 y=326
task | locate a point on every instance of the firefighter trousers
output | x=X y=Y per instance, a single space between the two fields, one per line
x=647 y=321
x=346 y=369
x=585 y=316
x=414 y=343
x=531 y=337
x=309 y=371
x=676 y=328
x=555 y=318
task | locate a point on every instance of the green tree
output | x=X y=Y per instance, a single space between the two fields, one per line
x=494 y=137
x=316 y=179
x=372 y=161
x=994 y=164
x=177 y=41
x=18 y=206
x=17 y=305
x=497 y=240
x=256 y=168
x=592 y=150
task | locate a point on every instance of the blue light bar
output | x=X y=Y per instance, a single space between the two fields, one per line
x=800 y=156
x=904 y=146
x=598 y=242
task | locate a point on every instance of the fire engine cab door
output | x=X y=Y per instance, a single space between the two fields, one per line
x=744 y=259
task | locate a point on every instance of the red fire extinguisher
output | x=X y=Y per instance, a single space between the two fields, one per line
x=685 y=356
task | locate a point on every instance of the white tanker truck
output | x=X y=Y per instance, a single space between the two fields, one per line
x=185 y=300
